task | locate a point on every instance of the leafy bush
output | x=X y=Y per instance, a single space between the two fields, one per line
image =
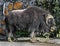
x=52 y=6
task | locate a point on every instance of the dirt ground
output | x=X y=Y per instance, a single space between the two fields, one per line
x=26 y=44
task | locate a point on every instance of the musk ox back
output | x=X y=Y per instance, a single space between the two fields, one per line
x=29 y=18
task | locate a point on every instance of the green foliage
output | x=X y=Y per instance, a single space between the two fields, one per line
x=53 y=6
x=22 y=33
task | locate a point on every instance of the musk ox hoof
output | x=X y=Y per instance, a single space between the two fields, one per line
x=10 y=40
x=15 y=39
x=33 y=40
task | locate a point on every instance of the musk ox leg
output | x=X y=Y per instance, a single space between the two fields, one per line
x=10 y=34
x=32 y=36
x=33 y=28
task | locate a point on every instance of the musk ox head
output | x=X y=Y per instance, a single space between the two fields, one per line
x=50 y=22
x=49 y=26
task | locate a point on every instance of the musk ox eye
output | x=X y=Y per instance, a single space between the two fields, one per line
x=50 y=21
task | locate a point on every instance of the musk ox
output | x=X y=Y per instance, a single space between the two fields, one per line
x=33 y=18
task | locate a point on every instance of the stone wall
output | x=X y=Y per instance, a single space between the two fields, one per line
x=2 y=22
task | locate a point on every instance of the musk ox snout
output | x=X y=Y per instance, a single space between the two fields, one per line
x=53 y=28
